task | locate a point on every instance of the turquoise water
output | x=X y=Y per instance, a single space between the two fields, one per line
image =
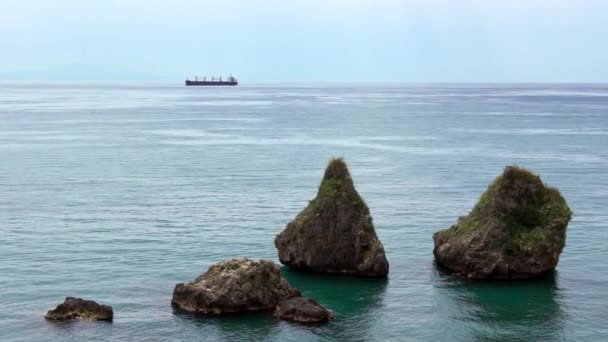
x=118 y=192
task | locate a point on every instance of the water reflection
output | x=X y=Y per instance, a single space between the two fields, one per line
x=71 y=329
x=355 y=302
x=249 y=326
x=502 y=310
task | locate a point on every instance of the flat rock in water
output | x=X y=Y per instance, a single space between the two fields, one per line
x=517 y=230
x=302 y=310
x=334 y=233
x=235 y=285
x=78 y=308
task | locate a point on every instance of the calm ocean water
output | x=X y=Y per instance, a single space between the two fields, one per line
x=116 y=193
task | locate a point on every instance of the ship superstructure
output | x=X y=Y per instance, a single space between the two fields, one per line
x=230 y=81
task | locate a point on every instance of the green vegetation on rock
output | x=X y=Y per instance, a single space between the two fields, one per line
x=517 y=217
x=334 y=233
x=337 y=186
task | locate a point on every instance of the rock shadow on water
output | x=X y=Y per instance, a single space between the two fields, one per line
x=76 y=329
x=499 y=310
x=355 y=301
x=241 y=326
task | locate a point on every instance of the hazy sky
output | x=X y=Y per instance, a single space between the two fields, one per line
x=314 y=40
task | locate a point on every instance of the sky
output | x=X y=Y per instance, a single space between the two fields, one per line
x=305 y=41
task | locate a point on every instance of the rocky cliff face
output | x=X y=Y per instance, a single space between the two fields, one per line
x=516 y=230
x=233 y=286
x=334 y=233
x=78 y=308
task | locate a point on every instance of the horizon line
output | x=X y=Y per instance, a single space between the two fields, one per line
x=326 y=82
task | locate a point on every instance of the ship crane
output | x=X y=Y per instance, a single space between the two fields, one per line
x=219 y=81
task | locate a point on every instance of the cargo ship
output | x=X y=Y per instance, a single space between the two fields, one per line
x=230 y=81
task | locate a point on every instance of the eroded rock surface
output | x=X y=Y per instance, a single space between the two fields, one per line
x=334 y=233
x=78 y=308
x=234 y=286
x=516 y=230
x=302 y=310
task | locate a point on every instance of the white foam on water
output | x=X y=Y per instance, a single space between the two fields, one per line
x=534 y=131
x=111 y=120
x=59 y=137
x=398 y=138
x=187 y=133
x=228 y=103
x=11 y=133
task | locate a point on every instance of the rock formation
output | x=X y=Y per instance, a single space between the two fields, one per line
x=73 y=308
x=334 y=233
x=302 y=310
x=233 y=286
x=516 y=230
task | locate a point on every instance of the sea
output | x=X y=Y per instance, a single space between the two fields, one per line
x=116 y=192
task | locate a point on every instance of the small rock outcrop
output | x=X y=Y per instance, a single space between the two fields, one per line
x=234 y=286
x=302 y=310
x=334 y=233
x=517 y=230
x=78 y=308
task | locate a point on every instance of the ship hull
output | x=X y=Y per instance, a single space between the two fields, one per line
x=211 y=83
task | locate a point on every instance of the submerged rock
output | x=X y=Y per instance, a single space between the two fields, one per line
x=78 y=308
x=334 y=233
x=233 y=286
x=302 y=310
x=516 y=230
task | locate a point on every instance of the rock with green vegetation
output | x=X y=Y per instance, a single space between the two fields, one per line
x=334 y=233
x=78 y=308
x=235 y=285
x=302 y=310
x=517 y=230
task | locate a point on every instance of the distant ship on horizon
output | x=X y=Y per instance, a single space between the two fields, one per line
x=230 y=81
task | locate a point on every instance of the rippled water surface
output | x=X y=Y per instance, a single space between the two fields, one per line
x=118 y=192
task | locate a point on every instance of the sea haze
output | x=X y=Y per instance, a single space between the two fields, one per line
x=117 y=192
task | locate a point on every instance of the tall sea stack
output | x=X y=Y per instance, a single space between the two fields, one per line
x=517 y=230
x=334 y=233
